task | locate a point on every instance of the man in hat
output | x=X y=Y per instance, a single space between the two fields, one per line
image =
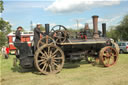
x=18 y=34
x=37 y=33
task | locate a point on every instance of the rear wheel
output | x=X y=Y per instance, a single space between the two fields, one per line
x=49 y=59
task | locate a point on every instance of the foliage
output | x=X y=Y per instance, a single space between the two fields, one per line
x=2 y=39
x=73 y=31
x=5 y=28
x=123 y=28
x=1 y=6
x=113 y=33
x=119 y=32
x=42 y=28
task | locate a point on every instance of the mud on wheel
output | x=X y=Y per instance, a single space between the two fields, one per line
x=49 y=59
x=108 y=56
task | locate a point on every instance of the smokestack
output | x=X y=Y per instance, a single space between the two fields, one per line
x=103 y=29
x=47 y=29
x=95 y=26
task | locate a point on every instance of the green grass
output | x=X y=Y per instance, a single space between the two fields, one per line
x=85 y=74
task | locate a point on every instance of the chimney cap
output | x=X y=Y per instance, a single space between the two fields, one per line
x=95 y=16
x=103 y=23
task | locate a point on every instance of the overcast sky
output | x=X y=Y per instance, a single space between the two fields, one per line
x=64 y=12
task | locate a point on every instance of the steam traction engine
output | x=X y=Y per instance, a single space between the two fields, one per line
x=57 y=47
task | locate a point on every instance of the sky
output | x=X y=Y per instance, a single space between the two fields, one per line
x=63 y=12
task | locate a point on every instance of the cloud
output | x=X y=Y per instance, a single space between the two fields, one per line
x=74 y=26
x=52 y=24
x=100 y=20
x=105 y=20
x=80 y=25
x=108 y=21
x=28 y=0
x=25 y=4
x=0 y=15
x=68 y=6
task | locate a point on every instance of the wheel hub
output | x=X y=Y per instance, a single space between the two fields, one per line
x=49 y=60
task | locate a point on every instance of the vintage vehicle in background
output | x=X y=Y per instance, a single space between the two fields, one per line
x=25 y=37
x=57 y=47
x=123 y=45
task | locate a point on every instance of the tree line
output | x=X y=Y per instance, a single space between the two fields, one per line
x=5 y=27
x=119 y=32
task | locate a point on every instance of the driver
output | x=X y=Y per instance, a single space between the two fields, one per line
x=18 y=34
x=37 y=33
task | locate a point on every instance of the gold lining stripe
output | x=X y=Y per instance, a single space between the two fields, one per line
x=77 y=43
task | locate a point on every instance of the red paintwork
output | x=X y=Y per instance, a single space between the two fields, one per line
x=7 y=50
x=24 y=38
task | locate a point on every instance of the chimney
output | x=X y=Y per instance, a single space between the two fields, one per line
x=47 y=29
x=95 y=27
x=103 y=29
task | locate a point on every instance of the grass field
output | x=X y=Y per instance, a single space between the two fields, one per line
x=85 y=74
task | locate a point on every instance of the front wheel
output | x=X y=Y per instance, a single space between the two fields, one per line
x=108 y=56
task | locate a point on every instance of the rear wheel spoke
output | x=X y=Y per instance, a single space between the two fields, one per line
x=58 y=58
x=44 y=66
x=55 y=52
x=45 y=53
x=53 y=68
x=42 y=57
x=42 y=63
x=50 y=68
x=42 y=54
x=40 y=60
x=56 y=61
x=56 y=65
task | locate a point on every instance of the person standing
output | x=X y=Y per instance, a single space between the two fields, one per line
x=18 y=34
x=3 y=51
x=37 y=33
x=7 y=52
